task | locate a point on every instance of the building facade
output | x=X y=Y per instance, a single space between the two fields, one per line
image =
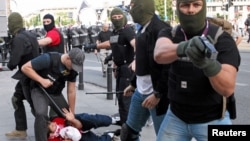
x=229 y=9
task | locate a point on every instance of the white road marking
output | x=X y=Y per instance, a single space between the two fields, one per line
x=93 y=68
x=241 y=84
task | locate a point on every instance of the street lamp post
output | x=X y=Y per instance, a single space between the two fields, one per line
x=165 y=9
x=224 y=9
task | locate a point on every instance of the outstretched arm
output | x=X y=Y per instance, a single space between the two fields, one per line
x=71 y=118
x=71 y=95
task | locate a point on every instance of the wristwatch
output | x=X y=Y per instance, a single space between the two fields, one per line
x=157 y=94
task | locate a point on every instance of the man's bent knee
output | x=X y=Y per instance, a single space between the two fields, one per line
x=128 y=134
x=14 y=102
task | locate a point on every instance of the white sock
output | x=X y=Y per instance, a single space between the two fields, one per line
x=111 y=135
x=115 y=119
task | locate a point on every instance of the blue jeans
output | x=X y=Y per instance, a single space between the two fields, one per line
x=90 y=121
x=94 y=121
x=138 y=115
x=91 y=136
x=174 y=129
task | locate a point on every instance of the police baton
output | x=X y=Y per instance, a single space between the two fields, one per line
x=97 y=57
x=57 y=108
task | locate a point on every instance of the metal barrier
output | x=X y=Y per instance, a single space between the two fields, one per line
x=80 y=85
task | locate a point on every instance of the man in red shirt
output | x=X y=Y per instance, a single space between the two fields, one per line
x=53 y=41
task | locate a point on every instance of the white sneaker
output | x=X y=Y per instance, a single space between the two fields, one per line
x=149 y=122
x=115 y=120
x=116 y=138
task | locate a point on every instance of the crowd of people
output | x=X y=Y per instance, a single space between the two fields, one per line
x=165 y=73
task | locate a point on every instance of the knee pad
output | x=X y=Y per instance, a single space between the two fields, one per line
x=14 y=102
x=128 y=134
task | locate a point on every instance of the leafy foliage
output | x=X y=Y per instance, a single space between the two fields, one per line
x=160 y=7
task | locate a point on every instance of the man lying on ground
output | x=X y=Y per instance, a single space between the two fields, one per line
x=65 y=128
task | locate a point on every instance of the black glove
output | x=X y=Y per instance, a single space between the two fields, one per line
x=90 y=46
x=108 y=58
x=196 y=53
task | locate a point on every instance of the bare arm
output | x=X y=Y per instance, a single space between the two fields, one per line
x=165 y=51
x=132 y=43
x=31 y=73
x=238 y=40
x=71 y=118
x=45 y=41
x=224 y=81
x=71 y=95
x=132 y=64
x=103 y=45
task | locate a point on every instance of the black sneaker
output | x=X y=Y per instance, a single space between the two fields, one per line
x=117 y=132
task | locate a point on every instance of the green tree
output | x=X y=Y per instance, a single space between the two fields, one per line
x=63 y=18
x=160 y=7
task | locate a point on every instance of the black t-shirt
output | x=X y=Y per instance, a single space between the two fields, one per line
x=42 y=62
x=202 y=105
x=122 y=51
x=104 y=36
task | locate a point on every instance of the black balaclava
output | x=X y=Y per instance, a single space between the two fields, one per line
x=142 y=11
x=118 y=23
x=15 y=23
x=51 y=25
x=192 y=24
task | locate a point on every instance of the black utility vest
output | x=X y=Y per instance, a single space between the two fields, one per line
x=55 y=74
x=122 y=51
x=31 y=47
x=188 y=84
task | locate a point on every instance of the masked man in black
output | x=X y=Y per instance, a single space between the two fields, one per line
x=150 y=83
x=199 y=83
x=24 y=47
x=53 y=40
x=122 y=43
